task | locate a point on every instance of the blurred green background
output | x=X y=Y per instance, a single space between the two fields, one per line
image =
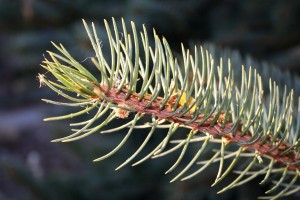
x=33 y=168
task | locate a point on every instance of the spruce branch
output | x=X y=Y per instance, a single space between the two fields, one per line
x=250 y=124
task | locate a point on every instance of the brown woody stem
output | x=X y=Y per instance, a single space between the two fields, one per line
x=215 y=130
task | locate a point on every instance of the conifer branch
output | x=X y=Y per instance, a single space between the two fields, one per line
x=247 y=122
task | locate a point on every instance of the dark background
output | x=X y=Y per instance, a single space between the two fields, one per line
x=33 y=168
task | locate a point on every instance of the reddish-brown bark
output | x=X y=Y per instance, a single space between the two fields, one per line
x=214 y=130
